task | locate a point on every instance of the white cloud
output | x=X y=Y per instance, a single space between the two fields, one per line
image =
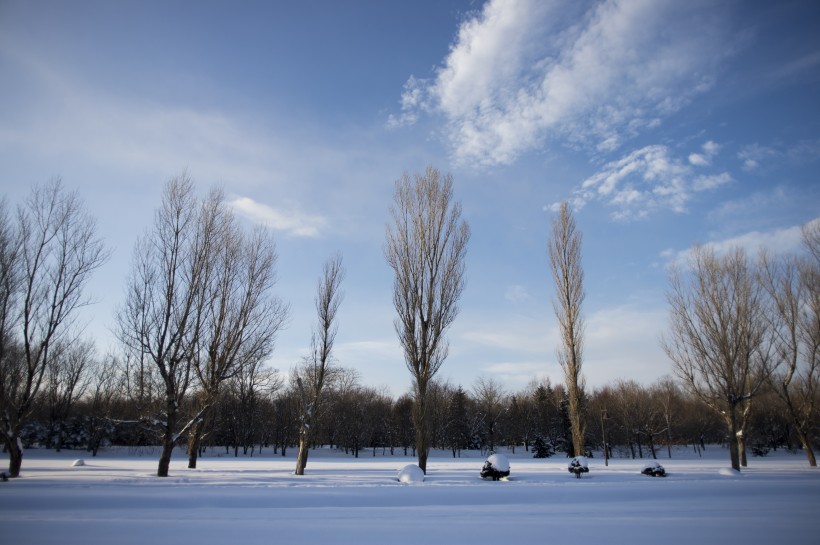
x=290 y=221
x=523 y=71
x=778 y=241
x=755 y=154
x=647 y=180
x=710 y=149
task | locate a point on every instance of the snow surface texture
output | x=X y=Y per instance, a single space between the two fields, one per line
x=116 y=499
x=410 y=474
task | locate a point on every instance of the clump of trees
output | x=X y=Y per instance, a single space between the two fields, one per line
x=200 y=318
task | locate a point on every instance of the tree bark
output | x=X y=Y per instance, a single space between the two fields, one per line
x=420 y=420
x=167 y=440
x=302 y=456
x=734 y=454
x=15 y=457
x=194 y=442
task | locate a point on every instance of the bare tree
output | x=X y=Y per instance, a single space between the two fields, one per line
x=669 y=399
x=241 y=316
x=793 y=286
x=426 y=247
x=717 y=335
x=161 y=320
x=66 y=380
x=317 y=369
x=46 y=259
x=568 y=275
x=104 y=390
x=490 y=403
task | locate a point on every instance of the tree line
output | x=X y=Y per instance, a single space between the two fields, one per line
x=200 y=317
x=258 y=412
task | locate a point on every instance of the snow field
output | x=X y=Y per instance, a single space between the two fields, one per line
x=115 y=498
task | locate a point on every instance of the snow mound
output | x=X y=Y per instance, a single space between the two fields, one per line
x=78 y=463
x=410 y=474
x=728 y=472
x=499 y=462
x=578 y=465
x=497 y=466
x=654 y=469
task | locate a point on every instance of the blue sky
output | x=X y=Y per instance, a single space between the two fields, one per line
x=665 y=124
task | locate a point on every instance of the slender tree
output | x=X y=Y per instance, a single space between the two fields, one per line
x=426 y=246
x=317 y=369
x=568 y=276
x=717 y=335
x=47 y=257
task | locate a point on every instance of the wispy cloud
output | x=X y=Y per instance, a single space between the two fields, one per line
x=649 y=179
x=524 y=71
x=292 y=222
x=516 y=294
x=777 y=241
x=616 y=347
x=757 y=156
x=704 y=158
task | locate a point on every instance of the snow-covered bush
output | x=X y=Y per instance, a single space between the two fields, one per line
x=410 y=474
x=496 y=467
x=654 y=469
x=578 y=465
x=78 y=463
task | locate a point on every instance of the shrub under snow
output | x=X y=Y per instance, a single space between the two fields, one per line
x=496 y=466
x=654 y=469
x=410 y=474
x=578 y=465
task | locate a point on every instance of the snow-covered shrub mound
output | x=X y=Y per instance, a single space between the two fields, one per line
x=78 y=463
x=496 y=467
x=654 y=469
x=410 y=474
x=728 y=472
x=578 y=465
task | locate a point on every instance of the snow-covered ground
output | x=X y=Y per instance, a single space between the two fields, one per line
x=115 y=498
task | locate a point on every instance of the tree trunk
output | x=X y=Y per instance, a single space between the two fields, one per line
x=165 y=456
x=302 y=455
x=741 y=448
x=167 y=440
x=194 y=442
x=420 y=421
x=731 y=423
x=806 y=446
x=15 y=456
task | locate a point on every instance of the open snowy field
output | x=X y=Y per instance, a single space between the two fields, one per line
x=115 y=498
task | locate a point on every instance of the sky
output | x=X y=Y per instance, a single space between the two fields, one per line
x=664 y=123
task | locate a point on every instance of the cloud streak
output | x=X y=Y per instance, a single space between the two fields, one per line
x=523 y=72
x=776 y=242
x=292 y=222
x=649 y=179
